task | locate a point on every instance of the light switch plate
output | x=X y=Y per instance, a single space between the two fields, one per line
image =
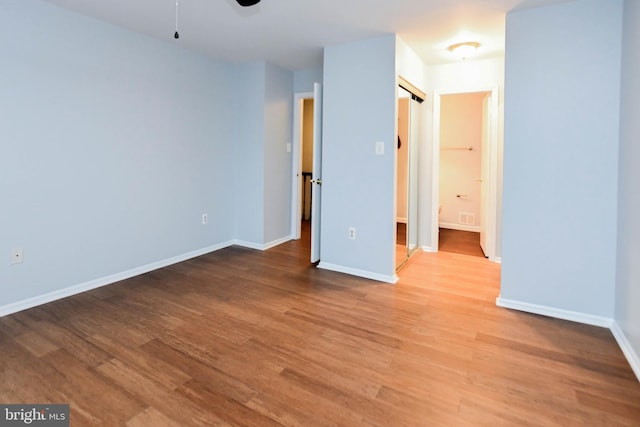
x=380 y=148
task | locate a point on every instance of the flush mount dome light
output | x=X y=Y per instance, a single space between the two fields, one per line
x=464 y=50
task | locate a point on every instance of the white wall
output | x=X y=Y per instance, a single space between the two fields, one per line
x=561 y=158
x=627 y=304
x=460 y=77
x=113 y=145
x=409 y=65
x=358 y=185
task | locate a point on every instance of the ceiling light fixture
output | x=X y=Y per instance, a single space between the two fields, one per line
x=464 y=49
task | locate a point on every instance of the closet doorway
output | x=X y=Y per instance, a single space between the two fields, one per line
x=462 y=138
x=465 y=172
x=407 y=182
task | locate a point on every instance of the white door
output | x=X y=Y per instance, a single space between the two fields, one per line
x=316 y=181
x=415 y=136
x=484 y=171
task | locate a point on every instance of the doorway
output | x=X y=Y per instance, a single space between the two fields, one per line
x=469 y=206
x=463 y=139
x=407 y=158
x=307 y=169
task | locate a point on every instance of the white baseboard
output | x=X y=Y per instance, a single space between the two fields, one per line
x=401 y=220
x=558 y=313
x=497 y=260
x=627 y=349
x=360 y=273
x=250 y=245
x=460 y=227
x=428 y=249
x=103 y=281
x=262 y=246
x=277 y=242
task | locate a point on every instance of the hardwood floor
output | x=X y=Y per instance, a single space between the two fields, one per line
x=401 y=233
x=460 y=242
x=241 y=337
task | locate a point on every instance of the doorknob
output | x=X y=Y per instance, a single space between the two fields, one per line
x=316 y=181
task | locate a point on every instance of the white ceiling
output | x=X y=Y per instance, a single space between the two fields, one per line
x=291 y=33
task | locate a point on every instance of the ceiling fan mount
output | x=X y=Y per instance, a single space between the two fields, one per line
x=243 y=3
x=246 y=3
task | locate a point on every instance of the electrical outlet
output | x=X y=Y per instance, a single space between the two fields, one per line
x=205 y=219
x=16 y=255
x=352 y=233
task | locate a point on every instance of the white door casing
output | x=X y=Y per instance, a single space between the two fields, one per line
x=484 y=171
x=296 y=156
x=316 y=181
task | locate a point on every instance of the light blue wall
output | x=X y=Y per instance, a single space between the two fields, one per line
x=358 y=185
x=263 y=178
x=627 y=313
x=561 y=156
x=113 y=145
x=303 y=80
x=278 y=125
x=249 y=152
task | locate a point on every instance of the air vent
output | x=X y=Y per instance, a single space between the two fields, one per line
x=466 y=218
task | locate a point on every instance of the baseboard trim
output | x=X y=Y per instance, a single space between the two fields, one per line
x=401 y=220
x=460 y=227
x=249 y=245
x=558 y=313
x=360 y=273
x=104 y=281
x=497 y=260
x=428 y=249
x=262 y=246
x=277 y=242
x=632 y=357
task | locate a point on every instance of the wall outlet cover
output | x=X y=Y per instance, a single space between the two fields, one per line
x=16 y=256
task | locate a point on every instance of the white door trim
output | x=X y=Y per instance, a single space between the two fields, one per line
x=316 y=178
x=296 y=163
x=492 y=184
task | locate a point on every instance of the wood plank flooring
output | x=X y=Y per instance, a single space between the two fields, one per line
x=460 y=242
x=244 y=338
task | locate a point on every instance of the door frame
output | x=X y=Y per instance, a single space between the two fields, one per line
x=491 y=201
x=296 y=163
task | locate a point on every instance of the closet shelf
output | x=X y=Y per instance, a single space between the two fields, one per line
x=456 y=148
